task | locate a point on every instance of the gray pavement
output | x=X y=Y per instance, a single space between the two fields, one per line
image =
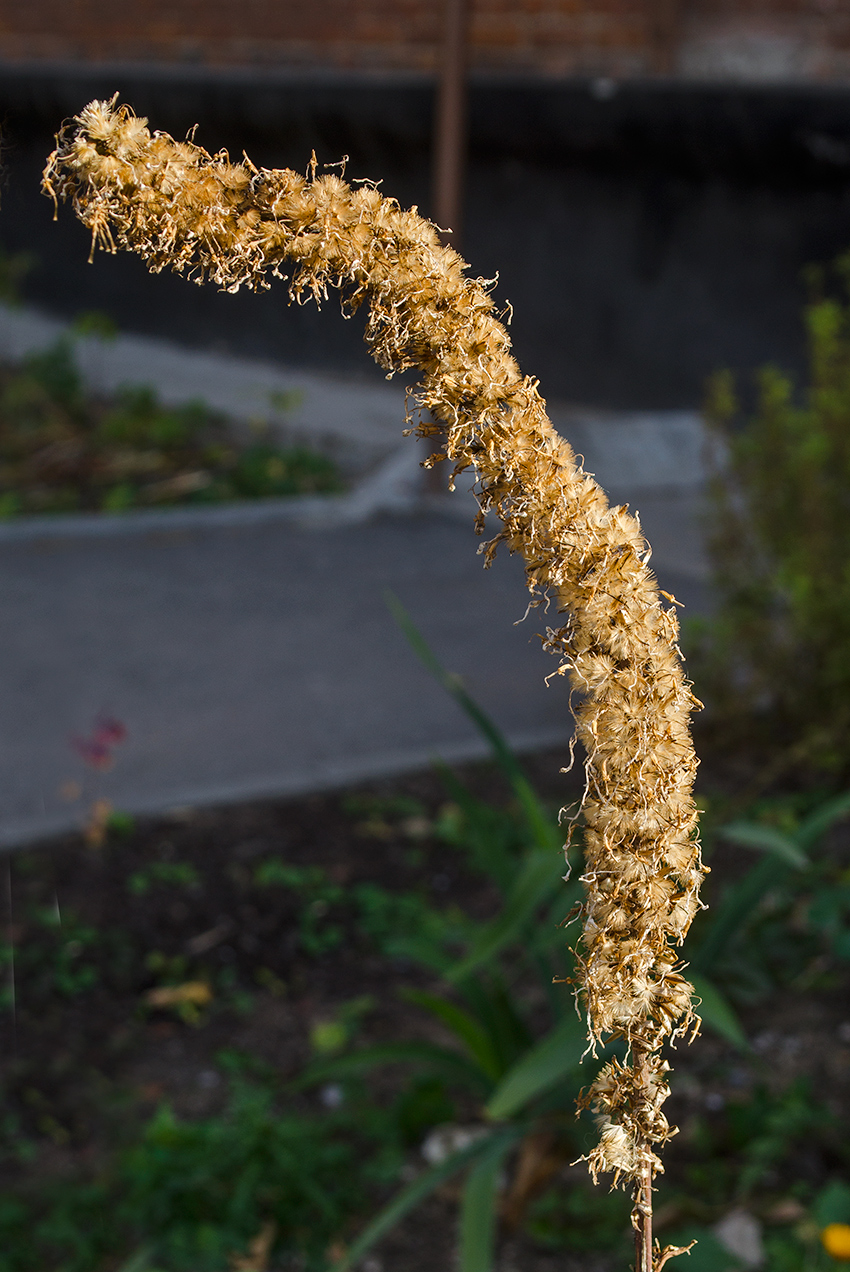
x=250 y=651
x=258 y=659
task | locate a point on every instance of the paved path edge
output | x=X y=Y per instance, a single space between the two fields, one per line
x=335 y=775
x=394 y=487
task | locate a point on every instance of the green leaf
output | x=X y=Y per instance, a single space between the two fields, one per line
x=551 y=1060
x=718 y=1013
x=813 y=827
x=478 y=1211
x=463 y=1026
x=537 y=878
x=499 y=1014
x=832 y=1204
x=423 y=1054
x=488 y=852
x=766 y=839
x=420 y=949
x=546 y=834
x=731 y=916
x=418 y=1191
x=140 y=1261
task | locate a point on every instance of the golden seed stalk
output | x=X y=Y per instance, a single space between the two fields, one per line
x=237 y=225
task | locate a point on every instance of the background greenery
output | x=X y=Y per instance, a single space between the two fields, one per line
x=63 y=450
x=773 y=662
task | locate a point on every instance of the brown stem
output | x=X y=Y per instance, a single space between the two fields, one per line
x=642 y=1213
x=643 y=1222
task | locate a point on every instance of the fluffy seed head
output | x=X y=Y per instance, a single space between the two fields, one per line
x=238 y=225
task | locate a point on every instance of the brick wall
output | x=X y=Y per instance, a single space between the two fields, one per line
x=744 y=40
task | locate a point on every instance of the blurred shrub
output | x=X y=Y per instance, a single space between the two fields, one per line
x=774 y=660
x=62 y=450
x=192 y=1195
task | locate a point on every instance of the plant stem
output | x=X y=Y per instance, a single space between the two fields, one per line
x=642 y=1213
x=643 y=1222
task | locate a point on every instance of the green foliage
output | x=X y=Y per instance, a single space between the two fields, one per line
x=529 y=1077
x=525 y=1077
x=737 y=1149
x=56 y=373
x=94 y=323
x=479 y=1208
x=581 y=1219
x=736 y=1160
x=180 y=874
x=330 y=1036
x=783 y=925
x=61 y=450
x=394 y=924
x=263 y=472
x=137 y=420
x=120 y=824
x=194 y=1194
x=766 y=1129
x=58 y=958
x=14 y=267
x=832 y=1205
x=202 y=1190
x=524 y=1069
x=775 y=657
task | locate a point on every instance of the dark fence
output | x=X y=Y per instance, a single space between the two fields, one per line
x=645 y=232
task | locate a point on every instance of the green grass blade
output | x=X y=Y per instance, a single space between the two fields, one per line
x=733 y=912
x=420 y=1054
x=140 y=1261
x=717 y=1012
x=550 y=930
x=538 y=877
x=466 y=1029
x=545 y=833
x=415 y=1192
x=479 y=1209
x=499 y=1014
x=487 y=852
x=766 y=839
x=422 y=950
x=555 y=1056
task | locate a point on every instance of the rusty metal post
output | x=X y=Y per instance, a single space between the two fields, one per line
x=665 y=35
x=450 y=123
x=449 y=161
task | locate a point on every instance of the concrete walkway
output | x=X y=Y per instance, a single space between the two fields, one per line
x=250 y=651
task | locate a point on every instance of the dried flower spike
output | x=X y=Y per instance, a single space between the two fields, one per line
x=236 y=224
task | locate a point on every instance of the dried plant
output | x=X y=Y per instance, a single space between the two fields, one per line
x=178 y=206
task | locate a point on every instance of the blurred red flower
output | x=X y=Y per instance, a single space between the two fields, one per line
x=96 y=749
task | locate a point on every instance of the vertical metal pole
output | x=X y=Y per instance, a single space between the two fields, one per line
x=450 y=123
x=665 y=34
x=448 y=160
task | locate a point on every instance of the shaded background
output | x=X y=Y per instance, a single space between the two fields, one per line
x=649 y=180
